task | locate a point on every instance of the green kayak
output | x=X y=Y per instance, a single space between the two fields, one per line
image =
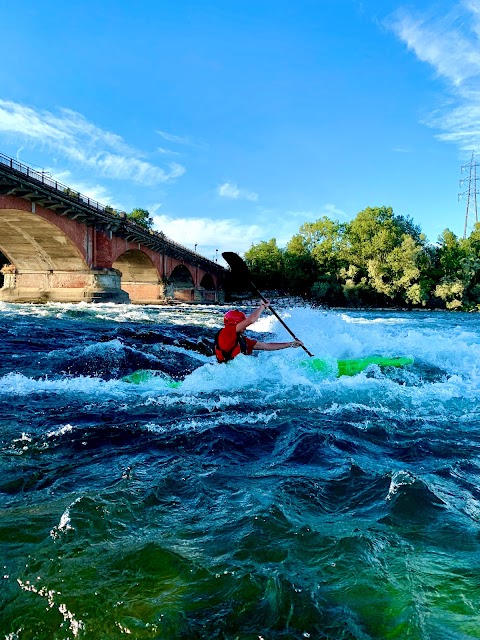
x=326 y=367
x=356 y=365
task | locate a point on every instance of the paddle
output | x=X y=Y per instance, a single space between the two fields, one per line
x=238 y=266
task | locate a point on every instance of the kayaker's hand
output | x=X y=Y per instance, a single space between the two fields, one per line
x=296 y=343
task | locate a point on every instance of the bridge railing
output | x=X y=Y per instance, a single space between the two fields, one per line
x=45 y=178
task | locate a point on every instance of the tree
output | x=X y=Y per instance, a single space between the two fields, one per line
x=323 y=239
x=266 y=263
x=384 y=253
x=471 y=267
x=313 y=257
x=404 y=263
x=141 y=217
x=300 y=267
x=449 y=276
x=450 y=255
x=451 y=292
x=373 y=233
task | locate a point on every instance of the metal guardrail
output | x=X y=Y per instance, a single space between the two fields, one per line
x=45 y=178
x=155 y=239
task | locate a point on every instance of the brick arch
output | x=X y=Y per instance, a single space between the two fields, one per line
x=181 y=284
x=136 y=266
x=52 y=257
x=207 y=282
x=181 y=277
x=139 y=276
x=33 y=243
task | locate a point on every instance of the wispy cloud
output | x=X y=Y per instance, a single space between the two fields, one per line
x=450 y=44
x=170 y=137
x=443 y=41
x=209 y=234
x=332 y=211
x=167 y=152
x=78 y=140
x=230 y=190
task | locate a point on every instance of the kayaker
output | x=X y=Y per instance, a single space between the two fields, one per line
x=230 y=341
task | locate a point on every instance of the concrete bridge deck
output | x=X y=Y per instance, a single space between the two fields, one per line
x=57 y=244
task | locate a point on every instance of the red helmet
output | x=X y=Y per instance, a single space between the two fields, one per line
x=233 y=317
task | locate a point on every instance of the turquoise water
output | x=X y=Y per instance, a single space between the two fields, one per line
x=256 y=500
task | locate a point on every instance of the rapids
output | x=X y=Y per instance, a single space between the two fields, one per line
x=256 y=500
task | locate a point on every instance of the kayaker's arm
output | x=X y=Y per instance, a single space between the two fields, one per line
x=253 y=317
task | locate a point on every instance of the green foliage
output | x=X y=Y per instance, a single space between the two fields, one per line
x=378 y=258
x=141 y=217
x=451 y=292
x=266 y=263
x=300 y=267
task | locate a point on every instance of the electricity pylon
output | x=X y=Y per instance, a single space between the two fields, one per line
x=471 y=212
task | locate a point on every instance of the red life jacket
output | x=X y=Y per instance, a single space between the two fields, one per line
x=225 y=356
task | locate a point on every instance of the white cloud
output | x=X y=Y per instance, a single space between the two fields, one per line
x=82 y=142
x=96 y=192
x=450 y=44
x=230 y=190
x=209 y=234
x=227 y=234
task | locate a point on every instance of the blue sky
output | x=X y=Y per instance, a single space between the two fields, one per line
x=236 y=121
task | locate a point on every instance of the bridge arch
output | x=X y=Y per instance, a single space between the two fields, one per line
x=46 y=262
x=207 y=282
x=208 y=289
x=32 y=243
x=180 y=284
x=139 y=276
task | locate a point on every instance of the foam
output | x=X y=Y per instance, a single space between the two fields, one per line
x=16 y=384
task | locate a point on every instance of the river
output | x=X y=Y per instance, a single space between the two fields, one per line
x=255 y=500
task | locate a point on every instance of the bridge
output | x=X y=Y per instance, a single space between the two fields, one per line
x=59 y=245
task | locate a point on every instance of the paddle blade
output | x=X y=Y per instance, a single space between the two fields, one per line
x=240 y=277
x=236 y=264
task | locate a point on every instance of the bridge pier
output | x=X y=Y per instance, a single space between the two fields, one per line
x=194 y=295
x=94 y=285
x=145 y=292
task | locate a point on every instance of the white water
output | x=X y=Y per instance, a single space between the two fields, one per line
x=444 y=380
